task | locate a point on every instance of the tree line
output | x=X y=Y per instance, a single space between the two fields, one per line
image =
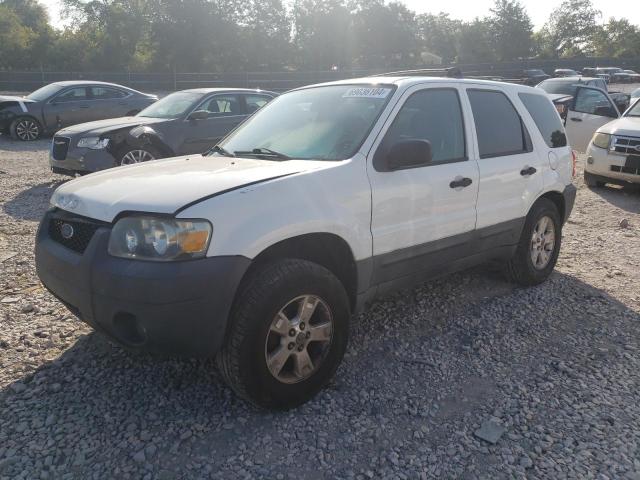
x=271 y=35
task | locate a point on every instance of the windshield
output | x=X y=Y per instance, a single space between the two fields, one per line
x=171 y=106
x=319 y=123
x=634 y=111
x=45 y=92
x=554 y=86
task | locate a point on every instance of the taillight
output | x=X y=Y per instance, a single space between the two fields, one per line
x=574 y=158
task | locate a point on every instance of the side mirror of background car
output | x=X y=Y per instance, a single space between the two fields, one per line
x=199 y=115
x=409 y=154
x=606 y=111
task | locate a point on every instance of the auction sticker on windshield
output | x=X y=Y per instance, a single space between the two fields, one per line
x=367 y=92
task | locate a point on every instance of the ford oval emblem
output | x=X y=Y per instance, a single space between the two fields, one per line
x=66 y=231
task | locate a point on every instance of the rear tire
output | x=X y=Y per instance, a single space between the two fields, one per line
x=539 y=245
x=25 y=129
x=263 y=358
x=591 y=182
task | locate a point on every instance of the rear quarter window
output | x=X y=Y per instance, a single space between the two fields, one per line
x=546 y=118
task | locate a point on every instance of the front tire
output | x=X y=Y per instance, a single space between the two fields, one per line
x=25 y=129
x=132 y=156
x=287 y=334
x=591 y=182
x=539 y=245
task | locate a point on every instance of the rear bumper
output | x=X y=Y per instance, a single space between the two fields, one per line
x=170 y=308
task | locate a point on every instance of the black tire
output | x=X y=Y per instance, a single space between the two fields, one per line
x=25 y=129
x=128 y=151
x=590 y=181
x=242 y=360
x=521 y=269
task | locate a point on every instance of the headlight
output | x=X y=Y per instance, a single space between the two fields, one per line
x=159 y=239
x=94 y=143
x=601 y=140
x=137 y=132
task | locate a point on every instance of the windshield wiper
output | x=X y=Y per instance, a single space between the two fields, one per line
x=220 y=150
x=263 y=152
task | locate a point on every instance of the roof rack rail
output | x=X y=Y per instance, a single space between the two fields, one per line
x=451 y=72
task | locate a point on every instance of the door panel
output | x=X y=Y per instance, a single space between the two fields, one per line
x=591 y=108
x=69 y=107
x=225 y=113
x=510 y=171
x=415 y=207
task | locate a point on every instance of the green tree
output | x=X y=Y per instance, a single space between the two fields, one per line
x=511 y=30
x=570 y=28
x=616 y=38
x=36 y=31
x=440 y=35
x=15 y=40
x=476 y=42
x=268 y=32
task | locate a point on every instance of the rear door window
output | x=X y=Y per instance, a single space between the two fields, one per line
x=222 y=106
x=72 y=95
x=499 y=127
x=107 y=93
x=256 y=102
x=546 y=119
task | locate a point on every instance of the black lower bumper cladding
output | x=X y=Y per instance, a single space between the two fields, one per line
x=164 y=307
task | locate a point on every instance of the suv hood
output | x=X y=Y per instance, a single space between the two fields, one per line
x=623 y=126
x=104 y=126
x=164 y=186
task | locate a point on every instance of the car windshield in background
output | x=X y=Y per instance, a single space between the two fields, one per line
x=171 y=106
x=44 y=92
x=319 y=123
x=558 y=87
x=534 y=72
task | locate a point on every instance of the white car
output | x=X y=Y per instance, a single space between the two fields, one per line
x=259 y=252
x=613 y=155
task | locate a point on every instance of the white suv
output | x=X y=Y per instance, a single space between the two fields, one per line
x=613 y=155
x=259 y=251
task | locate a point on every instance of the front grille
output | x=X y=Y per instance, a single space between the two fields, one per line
x=75 y=234
x=60 y=148
x=626 y=145
x=630 y=170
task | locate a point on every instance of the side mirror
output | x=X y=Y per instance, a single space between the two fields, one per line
x=606 y=111
x=408 y=154
x=199 y=115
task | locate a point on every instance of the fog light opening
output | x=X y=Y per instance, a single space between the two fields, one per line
x=128 y=329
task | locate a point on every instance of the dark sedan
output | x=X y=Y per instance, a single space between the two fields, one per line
x=62 y=104
x=182 y=123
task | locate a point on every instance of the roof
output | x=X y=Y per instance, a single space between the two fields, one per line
x=572 y=79
x=408 y=81
x=68 y=83
x=235 y=90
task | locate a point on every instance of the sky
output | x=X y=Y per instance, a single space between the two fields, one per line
x=539 y=10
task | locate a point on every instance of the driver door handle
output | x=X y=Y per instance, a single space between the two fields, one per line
x=525 y=172
x=575 y=119
x=462 y=182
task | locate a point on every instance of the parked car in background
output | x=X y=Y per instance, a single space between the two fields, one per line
x=613 y=155
x=563 y=89
x=331 y=195
x=565 y=72
x=534 y=76
x=635 y=95
x=634 y=77
x=62 y=104
x=616 y=75
x=189 y=121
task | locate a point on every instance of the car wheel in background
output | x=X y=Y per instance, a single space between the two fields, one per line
x=539 y=245
x=25 y=129
x=138 y=155
x=590 y=181
x=287 y=334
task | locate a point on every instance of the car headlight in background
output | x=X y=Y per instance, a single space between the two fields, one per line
x=159 y=239
x=601 y=140
x=94 y=143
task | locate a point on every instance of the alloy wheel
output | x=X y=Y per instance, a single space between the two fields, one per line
x=543 y=242
x=136 y=156
x=298 y=339
x=27 y=130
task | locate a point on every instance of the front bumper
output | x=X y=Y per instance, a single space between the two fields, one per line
x=612 y=167
x=81 y=160
x=170 y=308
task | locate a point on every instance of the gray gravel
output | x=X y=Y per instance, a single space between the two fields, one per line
x=552 y=371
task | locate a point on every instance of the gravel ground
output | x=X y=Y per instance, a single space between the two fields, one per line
x=552 y=371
